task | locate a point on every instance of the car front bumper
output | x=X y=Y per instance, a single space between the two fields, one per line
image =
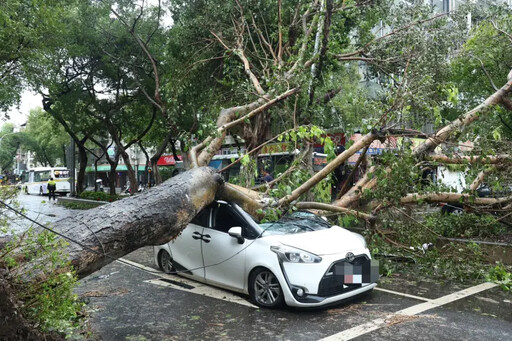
x=328 y=282
x=318 y=301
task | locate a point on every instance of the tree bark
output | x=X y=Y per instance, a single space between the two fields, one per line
x=151 y=218
x=488 y=159
x=479 y=179
x=249 y=200
x=156 y=156
x=355 y=192
x=332 y=208
x=225 y=117
x=82 y=152
x=453 y=198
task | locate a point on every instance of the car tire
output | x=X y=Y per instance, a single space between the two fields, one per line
x=264 y=289
x=165 y=262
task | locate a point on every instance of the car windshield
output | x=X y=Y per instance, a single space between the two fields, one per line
x=297 y=222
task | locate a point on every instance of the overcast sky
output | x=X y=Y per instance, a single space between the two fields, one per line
x=28 y=101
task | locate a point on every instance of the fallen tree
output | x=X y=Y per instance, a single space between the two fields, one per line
x=156 y=216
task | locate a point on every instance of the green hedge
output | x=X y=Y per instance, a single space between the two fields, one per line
x=98 y=196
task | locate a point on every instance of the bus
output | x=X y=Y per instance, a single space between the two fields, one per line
x=38 y=178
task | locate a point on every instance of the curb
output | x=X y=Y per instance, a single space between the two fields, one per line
x=67 y=199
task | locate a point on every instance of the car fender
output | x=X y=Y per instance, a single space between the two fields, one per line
x=260 y=255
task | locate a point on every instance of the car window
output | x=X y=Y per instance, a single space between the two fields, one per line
x=225 y=218
x=202 y=218
x=297 y=222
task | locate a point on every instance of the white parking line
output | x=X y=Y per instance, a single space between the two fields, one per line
x=137 y=265
x=183 y=284
x=403 y=294
x=368 y=327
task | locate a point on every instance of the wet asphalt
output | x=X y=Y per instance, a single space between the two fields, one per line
x=125 y=307
x=122 y=305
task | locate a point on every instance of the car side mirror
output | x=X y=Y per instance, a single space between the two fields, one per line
x=236 y=232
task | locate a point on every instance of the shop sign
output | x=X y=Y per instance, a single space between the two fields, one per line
x=167 y=160
x=273 y=148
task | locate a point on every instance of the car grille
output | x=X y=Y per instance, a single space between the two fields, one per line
x=332 y=282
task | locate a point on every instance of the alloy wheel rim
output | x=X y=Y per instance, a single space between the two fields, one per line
x=266 y=288
x=166 y=262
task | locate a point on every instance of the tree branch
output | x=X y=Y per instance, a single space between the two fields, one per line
x=361 y=143
x=444 y=134
x=392 y=33
x=332 y=208
x=463 y=198
x=489 y=159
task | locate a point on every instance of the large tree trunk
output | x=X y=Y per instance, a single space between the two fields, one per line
x=150 y=218
x=82 y=152
x=114 y=230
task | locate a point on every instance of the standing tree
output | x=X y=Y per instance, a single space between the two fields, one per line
x=45 y=138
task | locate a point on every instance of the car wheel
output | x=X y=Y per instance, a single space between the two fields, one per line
x=265 y=289
x=165 y=262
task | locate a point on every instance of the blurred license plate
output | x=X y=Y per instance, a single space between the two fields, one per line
x=365 y=273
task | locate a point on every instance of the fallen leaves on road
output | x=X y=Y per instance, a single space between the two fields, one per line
x=350 y=307
x=396 y=319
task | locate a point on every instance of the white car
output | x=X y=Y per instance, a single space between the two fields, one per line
x=300 y=260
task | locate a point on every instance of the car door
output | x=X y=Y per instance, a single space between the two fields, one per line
x=186 y=249
x=224 y=257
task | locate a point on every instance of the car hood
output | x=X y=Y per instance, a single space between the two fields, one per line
x=323 y=242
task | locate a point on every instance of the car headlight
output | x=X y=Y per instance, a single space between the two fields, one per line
x=361 y=238
x=293 y=255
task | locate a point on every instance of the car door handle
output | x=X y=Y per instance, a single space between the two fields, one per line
x=197 y=235
x=206 y=238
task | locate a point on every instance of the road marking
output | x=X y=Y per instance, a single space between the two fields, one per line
x=190 y=285
x=204 y=290
x=368 y=327
x=403 y=294
x=140 y=266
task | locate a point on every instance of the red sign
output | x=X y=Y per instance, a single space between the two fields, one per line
x=167 y=160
